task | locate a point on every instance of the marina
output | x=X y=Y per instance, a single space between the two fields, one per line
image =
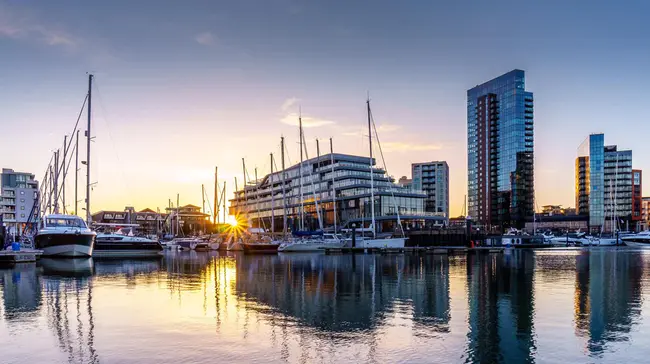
x=578 y=305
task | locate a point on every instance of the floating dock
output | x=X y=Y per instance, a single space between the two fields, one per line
x=440 y=250
x=21 y=256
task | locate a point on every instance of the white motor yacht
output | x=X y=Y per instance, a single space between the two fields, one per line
x=640 y=240
x=123 y=243
x=65 y=236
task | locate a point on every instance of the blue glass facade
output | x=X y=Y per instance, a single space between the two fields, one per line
x=596 y=179
x=500 y=140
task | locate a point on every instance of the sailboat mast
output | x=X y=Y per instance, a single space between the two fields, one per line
x=76 y=175
x=88 y=138
x=333 y=187
x=223 y=198
x=203 y=210
x=284 y=201
x=216 y=202
x=178 y=216
x=272 y=199
x=65 y=155
x=302 y=206
x=56 y=182
x=245 y=200
x=372 y=187
x=257 y=200
x=320 y=193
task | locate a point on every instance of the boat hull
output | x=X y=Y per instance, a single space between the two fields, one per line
x=260 y=248
x=637 y=243
x=309 y=247
x=124 y=249
x=70 y=245
x=382 y=243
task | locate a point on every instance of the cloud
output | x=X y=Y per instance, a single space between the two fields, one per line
x=307 y=121
x=408 y=147
x=22 y=27
x=388 y=127
x=383 y=128
x=288 y=103
x=205 y=38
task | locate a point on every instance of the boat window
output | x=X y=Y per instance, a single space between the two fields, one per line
x=54 y=222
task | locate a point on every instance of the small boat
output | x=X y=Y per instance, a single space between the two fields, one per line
x=187 y=243
x=314 y=244
x=640 y=240
x=235 y=245
x=260 y=248
x=123 y=243
x=65 y=236
x=577 y=239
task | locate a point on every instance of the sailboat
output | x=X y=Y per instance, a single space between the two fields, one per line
x=68 y=235
x=375 y=241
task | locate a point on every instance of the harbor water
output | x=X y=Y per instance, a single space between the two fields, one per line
x=522 y=306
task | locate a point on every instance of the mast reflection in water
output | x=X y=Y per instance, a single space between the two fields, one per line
x=519 y=307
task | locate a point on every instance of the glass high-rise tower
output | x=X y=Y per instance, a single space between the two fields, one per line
x=500 y=141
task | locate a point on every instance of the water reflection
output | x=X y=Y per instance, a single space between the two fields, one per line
x=501 y=307
x=347 y=293
x=608 y=297
x=482 y=308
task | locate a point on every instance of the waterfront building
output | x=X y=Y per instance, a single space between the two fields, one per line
x=637 y=196
x=551 y=210
x=500 y=138
x=19 y=195
x=149 y=221
x=190 y=219
x=405 y=182
x=433 y=179
x=644 y=223
x=261 y=201
x=604 y=185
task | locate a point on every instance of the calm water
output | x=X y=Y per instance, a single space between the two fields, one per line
x=568 y=306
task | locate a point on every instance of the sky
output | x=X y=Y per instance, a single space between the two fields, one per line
x=184 y=86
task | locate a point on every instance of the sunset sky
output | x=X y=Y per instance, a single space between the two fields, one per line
x=184 y=86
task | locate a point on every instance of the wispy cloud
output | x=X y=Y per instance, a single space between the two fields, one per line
x=408 y=147
x=23 y=27
x=205 y=38
x=381 y=129
x=288 y=103
x=307 y=121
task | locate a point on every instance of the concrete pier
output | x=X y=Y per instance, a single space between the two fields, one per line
x=22 y=256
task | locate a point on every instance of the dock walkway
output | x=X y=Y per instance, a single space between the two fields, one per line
x=416 y=250
x=21 y=256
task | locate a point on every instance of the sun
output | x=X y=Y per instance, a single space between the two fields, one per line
x=232 y=220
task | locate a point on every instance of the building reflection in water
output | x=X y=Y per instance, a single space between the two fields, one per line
x=21 y=293
x=501 y=307
x=608 y=297
x=347 y=293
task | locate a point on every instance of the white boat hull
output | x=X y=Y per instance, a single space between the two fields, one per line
x=69 y=250
x=381 y=243
x=309 y=246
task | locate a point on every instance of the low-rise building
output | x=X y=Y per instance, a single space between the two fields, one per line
x=149 y=221
x=433 y=179
x=346 y=182
x=18 y=200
